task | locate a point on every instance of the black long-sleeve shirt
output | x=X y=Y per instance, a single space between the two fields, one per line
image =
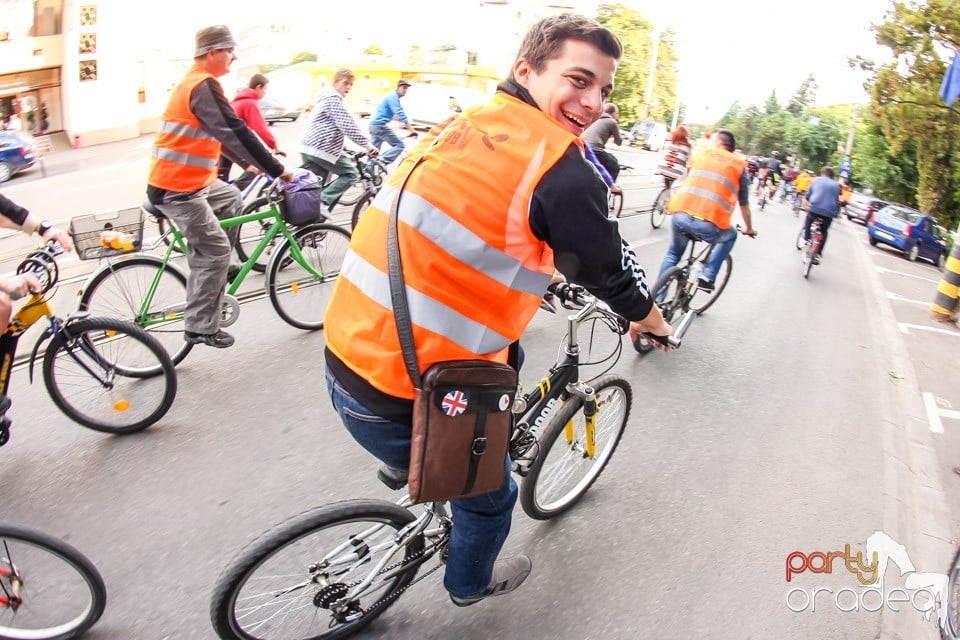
x=12 y=210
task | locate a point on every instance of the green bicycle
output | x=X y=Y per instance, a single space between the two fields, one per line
x=151 y=290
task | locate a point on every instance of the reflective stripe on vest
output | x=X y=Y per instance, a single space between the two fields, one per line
x=473 y=269
x=711 y=189
x=184 y=157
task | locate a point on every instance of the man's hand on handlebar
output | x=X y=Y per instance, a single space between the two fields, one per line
x=60 y=237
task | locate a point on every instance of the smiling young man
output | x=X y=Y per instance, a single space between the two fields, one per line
x=496 y=199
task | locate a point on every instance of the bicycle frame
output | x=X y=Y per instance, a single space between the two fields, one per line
x=279 y=227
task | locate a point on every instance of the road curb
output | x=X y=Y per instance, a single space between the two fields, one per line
x=914 y=510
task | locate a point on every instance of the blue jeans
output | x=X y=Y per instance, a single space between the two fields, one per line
x=480 y=524
x=721 y=239
x=380 y=133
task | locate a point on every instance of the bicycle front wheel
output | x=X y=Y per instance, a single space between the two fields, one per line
x=295 y=581
x=952 y=626
x=61 y=593
x=659 y=212
x=703 y=300
x=615 y=203
x=300 y=297
x=102 y=374
x=565 y=466
x=119 y=291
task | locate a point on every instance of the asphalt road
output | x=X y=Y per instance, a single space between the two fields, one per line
x=763 y=435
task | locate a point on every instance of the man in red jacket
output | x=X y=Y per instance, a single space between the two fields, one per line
x=245 y=104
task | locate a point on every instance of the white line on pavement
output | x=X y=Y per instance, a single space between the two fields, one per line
x=933 y=413
x=645 y=242
x=906 y=327
x=899 y=298
x=908 y=275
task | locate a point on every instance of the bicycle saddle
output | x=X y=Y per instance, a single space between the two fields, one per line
x=396 y=479
x=692 y=236
x=152 y=210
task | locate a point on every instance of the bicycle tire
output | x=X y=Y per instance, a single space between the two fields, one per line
x=951 y=630
x=659 y=211
x=613 y=396
x=251 y=233
x=298 y=297
x=123 y=354
x=703 y=300
x=673 y=302
x=807 y=256
x=614 y=204
x=299 y=584
x=118 y=290
x=36 y=555
x=359 y=209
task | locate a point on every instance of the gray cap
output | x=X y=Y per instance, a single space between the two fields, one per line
x=402 y=83
x=213 y=38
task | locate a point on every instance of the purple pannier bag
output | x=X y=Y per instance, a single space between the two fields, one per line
x=301 y=202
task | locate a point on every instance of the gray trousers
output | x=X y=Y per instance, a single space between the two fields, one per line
x=208 y=248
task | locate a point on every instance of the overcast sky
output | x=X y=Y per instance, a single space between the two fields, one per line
x=736 y=50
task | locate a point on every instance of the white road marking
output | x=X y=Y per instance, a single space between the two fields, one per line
x=906 y=327
x=907 y=275
x=899 y=298
x=935 y=413
x=645 y=242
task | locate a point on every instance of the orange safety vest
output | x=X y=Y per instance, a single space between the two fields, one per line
x=184 y=156
x=474 y=270
x=711 y=190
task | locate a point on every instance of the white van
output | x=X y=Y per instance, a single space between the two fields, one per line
x=429 y=104
x=649 y=135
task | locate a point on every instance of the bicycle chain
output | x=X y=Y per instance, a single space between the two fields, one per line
x=399 y=592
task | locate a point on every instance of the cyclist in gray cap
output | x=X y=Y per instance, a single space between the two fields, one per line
x=197 y=126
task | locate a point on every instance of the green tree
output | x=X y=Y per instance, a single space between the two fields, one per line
x=635 y=33
x=906 y=103
x=637 y=36
x=804 y=98
x=373 y=50
x=304 y=56
x=772 y=105
x=892 y=176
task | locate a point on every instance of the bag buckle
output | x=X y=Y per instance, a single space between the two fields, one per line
x=479 y=446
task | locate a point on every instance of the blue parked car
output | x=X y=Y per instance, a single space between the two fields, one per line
x=914 y=233
x=16 y=154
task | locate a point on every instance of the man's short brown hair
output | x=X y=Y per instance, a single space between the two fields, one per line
x=545 y=39
x=257 y=80
x=343 y=74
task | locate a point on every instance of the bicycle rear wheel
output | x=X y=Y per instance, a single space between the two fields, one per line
x=61 y=593
x=129 y=395
x=563 y=469
x=703 y=300
x=670 y=292
x=118 y=291
x=807 y=257
x=359 y=209
x=659 y=212
x=299 y=297
x=293 y=581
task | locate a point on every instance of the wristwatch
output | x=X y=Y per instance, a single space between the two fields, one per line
x=45 y=225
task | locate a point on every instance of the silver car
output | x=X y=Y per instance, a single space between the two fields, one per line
x=861 y=206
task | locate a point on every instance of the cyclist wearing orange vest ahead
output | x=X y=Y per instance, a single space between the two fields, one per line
x=704 y=203
x=802 y=182
x=502 y=195
x=198 y=124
